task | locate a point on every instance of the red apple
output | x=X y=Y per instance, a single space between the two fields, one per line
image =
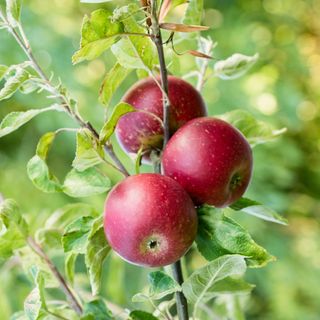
x=138 y=129
x=150 y=220
x=211 y=160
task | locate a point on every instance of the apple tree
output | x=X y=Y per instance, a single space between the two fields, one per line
x=198 y=169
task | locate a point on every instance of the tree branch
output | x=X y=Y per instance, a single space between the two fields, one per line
x=181 y=301
x=24 y=44
x=64 y=286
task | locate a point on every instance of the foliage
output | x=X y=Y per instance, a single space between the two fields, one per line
x=275 y=183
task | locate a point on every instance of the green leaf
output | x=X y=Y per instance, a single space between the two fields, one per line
x=219 y=235
x=143 y=47
x=14 y=82
x=141 y=315
x=96 y=251
x=69 y=266
x=121 y=109
x=34 y=305
x=97 y=35
x=37 y=168
x=161 y=285
x=76 y=235
x=13 y=11
x=193 y=15
x=3 y=71
x=85 y=183
x=88 y=153
x=41 y=177
x=13 y=228
x=201 y=285
x=111 y=82
x=255 y=131
x=235 y=66
x=256 y=209
x=15 y=120
x=96 y=310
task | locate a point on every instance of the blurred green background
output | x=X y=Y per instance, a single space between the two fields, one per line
x=282 y=88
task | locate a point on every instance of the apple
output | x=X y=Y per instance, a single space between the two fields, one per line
x=211 y=160
x=142 y=129
x=149 y=220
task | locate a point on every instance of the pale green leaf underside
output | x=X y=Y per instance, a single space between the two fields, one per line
x=256 y=209
x=202 y=284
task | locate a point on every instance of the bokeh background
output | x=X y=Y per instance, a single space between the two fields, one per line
x=283 y=88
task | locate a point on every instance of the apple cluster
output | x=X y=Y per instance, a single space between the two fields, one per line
x=150 y=219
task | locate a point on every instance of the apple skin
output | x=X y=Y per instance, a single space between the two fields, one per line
x=138 y=129
x=149 y=220
x=211 y=160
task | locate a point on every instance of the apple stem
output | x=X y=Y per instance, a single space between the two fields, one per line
x=157 y=39
x=65 y=102
x=181 y=301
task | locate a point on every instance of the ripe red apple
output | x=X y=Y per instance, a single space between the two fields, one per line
x=150 y=220
x=211 y=160
x=138 y=129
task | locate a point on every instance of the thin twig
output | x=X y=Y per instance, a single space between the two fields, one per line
x=64 y=286
x=24 y=44
x=182 y=304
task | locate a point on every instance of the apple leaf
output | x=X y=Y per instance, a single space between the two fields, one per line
x=120 y=110
x=256 y=209
x=35 y=306
x=13 y=228
x=98 y=33
x=14 y=82
x=160 y=285
x=85 y=183
x=142 y=47
x=97 y=250
x=111 y=82
x=235 y=66
x=96 y=310
x=255 y=131
x=222 y=275
x=15 y=120
x=89 y=152
x=13 y=10
x=219 y=235
x=76 y=235
x=141 y=315
x=37 y=168
x=86 y=236
x=69 y=265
